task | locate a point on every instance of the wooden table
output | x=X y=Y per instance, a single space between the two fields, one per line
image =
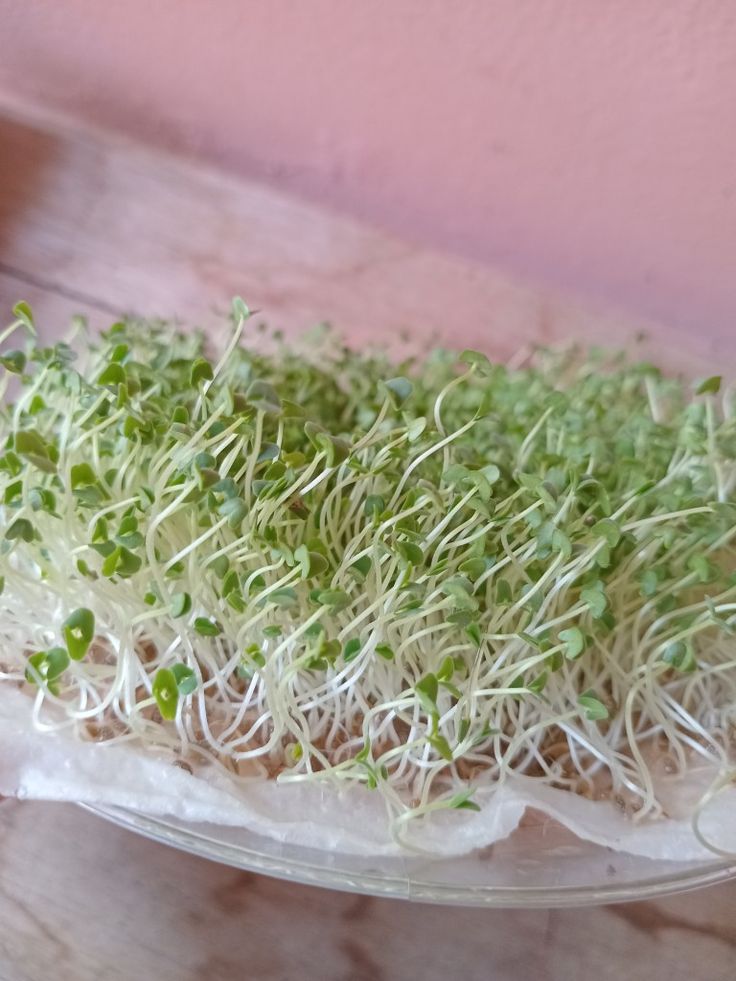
x=96 y=226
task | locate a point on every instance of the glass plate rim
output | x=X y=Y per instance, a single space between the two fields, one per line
x=189 y=839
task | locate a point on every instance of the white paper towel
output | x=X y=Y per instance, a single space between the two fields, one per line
x=352 y=820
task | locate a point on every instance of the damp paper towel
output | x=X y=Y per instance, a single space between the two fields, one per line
x=57 y=766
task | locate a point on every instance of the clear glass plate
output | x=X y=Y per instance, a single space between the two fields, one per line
x=541 y=864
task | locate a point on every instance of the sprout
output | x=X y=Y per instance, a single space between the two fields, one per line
x=79 y=630
x=340 y=568
x=165 y=691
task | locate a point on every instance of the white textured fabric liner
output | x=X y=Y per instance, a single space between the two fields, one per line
x=57 y=766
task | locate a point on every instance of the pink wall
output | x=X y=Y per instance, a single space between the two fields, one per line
x=587 y=143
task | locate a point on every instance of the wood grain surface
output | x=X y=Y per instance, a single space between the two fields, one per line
x=83 y=900
x=96 y=226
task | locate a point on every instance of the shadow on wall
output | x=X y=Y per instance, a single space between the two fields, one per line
x=26 y=159
x=32 y=261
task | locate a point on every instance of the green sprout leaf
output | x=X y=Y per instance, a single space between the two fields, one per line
x=23 y=312
x=711 y=386
x=649 y=582
x=607 y=529
x=113 y=374
x=181 y=604
x=336 y=599
x=374 y=505
x=239 y=309
x=82 y=475
x=121 y=562
x=42 y=499
x=291 y=410
x=415 y=429
x=574 y=640
x=206 y=627
x=263 y=397
x=398 y=390
x=201 y=372
x=351 y=649
x=680 y=655
x=78 y=631
x=410 y=552
x=474 y=568
x=49 y=666
x=594 y=709
x=537 y=685
x=703 y=568
x=462 y=802
x=441 y=746
x=20 y=530
x=426 y=691
x=14 y=362
x=235 y=510
x=360 y=568
x=474 y=633
x=478 y=361
x=311 y=563
x=30 y=445
x=595 y=599
x=165 y=690
x=186 y=680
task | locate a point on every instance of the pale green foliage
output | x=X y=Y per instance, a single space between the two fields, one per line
x=425 y=561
